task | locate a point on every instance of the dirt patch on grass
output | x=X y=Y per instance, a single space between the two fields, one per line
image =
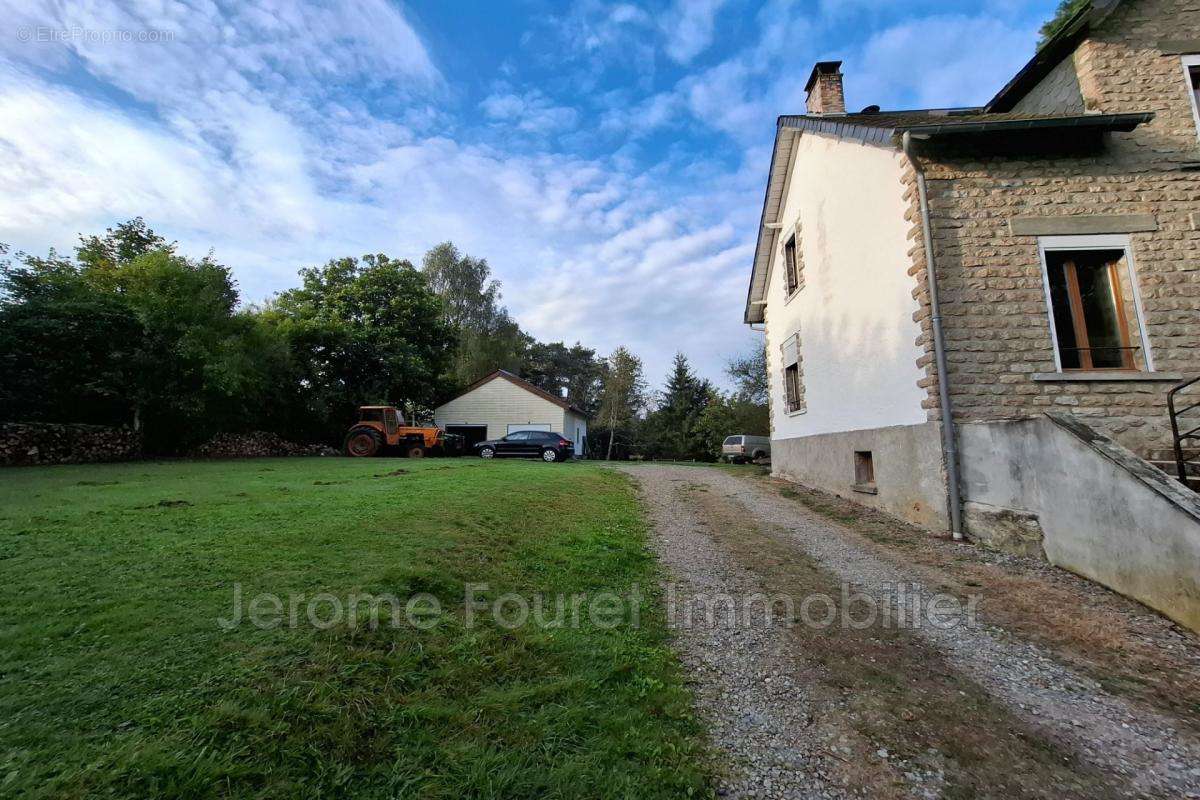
x=169 y=504
x=1126 y=647
x=897 y=717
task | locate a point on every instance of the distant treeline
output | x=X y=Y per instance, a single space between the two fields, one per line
x=130 y=332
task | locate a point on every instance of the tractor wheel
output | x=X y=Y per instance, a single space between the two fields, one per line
x=416 y=451
x=363 y=443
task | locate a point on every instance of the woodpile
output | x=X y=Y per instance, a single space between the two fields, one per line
x=29 y=443
x=258 y=444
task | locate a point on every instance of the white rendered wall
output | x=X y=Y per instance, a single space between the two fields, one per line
x=858 y=338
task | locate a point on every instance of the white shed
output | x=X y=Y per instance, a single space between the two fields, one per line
x=502 y=403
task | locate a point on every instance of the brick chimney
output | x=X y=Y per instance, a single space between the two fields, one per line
x=824 y=89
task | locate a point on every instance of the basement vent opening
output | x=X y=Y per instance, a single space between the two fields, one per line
x=864 y=472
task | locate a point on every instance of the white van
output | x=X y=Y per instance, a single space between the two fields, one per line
x=737 y=449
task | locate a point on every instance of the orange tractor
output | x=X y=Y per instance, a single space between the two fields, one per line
x=381 y=428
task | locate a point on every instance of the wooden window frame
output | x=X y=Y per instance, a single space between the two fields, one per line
x=1075 y=297
x=793 y=380
x=791 y=272
x=1099 y=242
x=791 y=388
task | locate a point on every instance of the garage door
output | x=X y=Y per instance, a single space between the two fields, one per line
x=529 y=426
x=473 y=434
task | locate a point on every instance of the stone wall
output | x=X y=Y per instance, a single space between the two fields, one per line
x=994 y=303
x=43 y=443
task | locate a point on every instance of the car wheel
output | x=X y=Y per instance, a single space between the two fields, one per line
x=363 y=444
x=549 y=455
x=486 y=452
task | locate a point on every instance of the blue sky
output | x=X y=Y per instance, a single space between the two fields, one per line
x=607 y=158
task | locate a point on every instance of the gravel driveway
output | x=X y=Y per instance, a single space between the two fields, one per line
x=915 y=703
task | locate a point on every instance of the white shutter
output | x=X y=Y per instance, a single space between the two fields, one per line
x=791 y=350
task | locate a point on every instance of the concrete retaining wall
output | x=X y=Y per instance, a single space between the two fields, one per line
x=1098 y=509
x=910 y=480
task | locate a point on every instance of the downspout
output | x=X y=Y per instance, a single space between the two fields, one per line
x=949 y=444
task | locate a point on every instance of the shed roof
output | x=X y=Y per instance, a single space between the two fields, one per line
x=523 y=384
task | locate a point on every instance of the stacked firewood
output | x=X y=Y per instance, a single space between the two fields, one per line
x=257 y=444
x=27 y=443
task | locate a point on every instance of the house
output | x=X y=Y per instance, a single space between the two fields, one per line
x=502 y=403
x=1028 y=270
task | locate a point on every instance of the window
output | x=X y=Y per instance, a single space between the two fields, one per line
x=1191 y=68
x=1089 y=309
x=789 y=265
x=864 y=469
x=733 y=440
x=793 y=376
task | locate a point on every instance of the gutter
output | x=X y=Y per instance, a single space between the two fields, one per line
x=949 y=443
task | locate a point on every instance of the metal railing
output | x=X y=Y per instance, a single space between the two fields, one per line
x=1181 y=462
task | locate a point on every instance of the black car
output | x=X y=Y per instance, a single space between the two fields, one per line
x=528 y=444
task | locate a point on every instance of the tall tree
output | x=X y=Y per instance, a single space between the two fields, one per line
x=487 y=337
x=365 y=331
x=555 y=367
x=120 y=245
x=749 y=375
x=131 y=332
x=670 y=429
x=624 y=394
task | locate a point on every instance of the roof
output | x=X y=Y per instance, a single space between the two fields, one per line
x=527 y=386
x=1051 y=53
x=885 y=129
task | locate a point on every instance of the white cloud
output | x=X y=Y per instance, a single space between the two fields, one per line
x=531 y=112
x=974 y=57
x=688 y=27
x=258 y=131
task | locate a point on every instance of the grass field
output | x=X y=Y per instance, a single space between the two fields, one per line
x=117 y=680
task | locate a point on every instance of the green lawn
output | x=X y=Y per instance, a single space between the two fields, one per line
x=117 y=680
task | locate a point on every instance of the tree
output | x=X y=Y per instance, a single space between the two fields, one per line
x=555 y=367
x=120 y=245
x=67 y=358
x=670 y=430
x=749 y=375
x=487 y=339
x=728 y=415
x=624 y=394
x=132 y=333
x=1066 y=10
x=363 y=332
